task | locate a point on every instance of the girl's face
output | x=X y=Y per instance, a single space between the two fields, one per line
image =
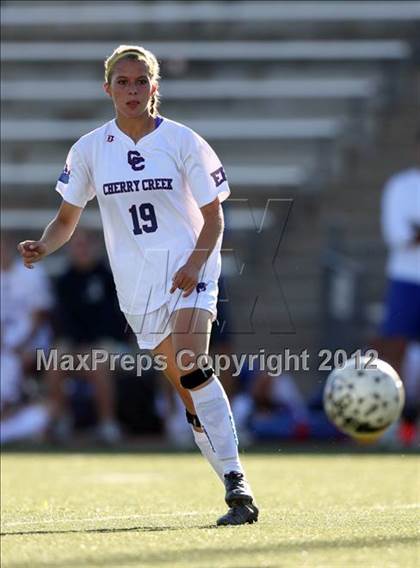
x=130 y=88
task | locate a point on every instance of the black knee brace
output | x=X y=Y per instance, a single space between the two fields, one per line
x=196 y=378
x=193 y=419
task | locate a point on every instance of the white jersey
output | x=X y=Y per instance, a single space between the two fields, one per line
x=149 y=195
x=400 y=216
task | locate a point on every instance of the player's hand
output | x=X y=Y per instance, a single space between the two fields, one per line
x=31 y=252
x=185 y=279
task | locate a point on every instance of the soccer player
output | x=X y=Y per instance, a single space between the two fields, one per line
x=159 y=187
x=401 y=325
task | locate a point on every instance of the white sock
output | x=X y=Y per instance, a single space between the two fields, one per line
x=213 y=410
x=205 y=448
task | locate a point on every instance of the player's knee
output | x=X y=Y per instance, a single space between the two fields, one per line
x=188 y=360
x=196 y=378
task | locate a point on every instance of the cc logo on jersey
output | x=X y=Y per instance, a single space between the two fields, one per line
x=135 y=160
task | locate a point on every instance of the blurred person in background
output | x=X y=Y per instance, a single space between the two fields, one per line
x=159 y=186
x=399 y=343
x=280 y=409
x=25 y=326
x=270 y=407
x=88 y=318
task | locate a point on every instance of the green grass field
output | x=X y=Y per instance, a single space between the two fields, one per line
x=160 y=509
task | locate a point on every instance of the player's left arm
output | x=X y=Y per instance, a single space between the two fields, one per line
x=186 y=278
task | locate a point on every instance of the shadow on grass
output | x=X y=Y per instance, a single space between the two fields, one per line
x=283 y=447
x=104 y=530
x=217 y=554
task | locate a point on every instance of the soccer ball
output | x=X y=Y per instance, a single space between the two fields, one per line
x=364 y=397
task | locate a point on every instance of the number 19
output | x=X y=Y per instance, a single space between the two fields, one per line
x=147 y=213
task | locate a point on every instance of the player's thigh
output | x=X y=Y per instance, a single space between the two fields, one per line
x=172 y=372
x=191 y=329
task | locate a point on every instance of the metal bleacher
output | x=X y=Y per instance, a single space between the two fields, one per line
x=291 y=93
x=298 y=87
x=97 y=13
x=282 y=90
x=297 y=50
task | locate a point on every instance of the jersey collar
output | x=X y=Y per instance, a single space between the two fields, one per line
x=123 y=136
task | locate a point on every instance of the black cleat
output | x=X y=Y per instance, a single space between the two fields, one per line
x=238 y=491
x=239 y=515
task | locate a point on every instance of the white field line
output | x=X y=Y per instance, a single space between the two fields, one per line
x=406 y=506
x=183 y=514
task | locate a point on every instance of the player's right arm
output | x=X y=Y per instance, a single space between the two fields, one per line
x=56 y=234
x=75 y=187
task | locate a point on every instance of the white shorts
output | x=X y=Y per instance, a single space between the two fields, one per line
x=153 y=327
